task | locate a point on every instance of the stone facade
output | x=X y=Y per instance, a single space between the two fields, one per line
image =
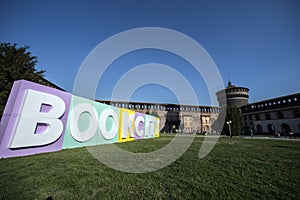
x=271 y=116
x=175 y=118
x=280 y=114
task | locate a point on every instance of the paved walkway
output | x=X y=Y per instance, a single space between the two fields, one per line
x=261 y=137
x=271 y=138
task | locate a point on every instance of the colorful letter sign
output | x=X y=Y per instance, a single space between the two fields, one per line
x=40 y=119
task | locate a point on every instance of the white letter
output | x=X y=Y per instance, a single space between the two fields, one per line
x=149 y=126
x=108 y=135
x=74 y=118
x=139 y=120
x=31 y=115
x=127 y=124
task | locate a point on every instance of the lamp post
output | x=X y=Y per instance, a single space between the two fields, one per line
x=229 y=122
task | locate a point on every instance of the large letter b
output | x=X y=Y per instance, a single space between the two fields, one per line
x=39 y=122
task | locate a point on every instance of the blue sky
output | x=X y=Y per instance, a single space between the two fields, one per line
x=255 y=42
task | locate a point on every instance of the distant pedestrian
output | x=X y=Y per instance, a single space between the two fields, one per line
x=251 y=132
x=291 y=134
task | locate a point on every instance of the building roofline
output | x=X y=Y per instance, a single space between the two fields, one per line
x=283 y=102
x=52 y=84
x=274 y=99
x=155 y=103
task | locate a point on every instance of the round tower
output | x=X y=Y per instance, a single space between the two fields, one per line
x=235 y=96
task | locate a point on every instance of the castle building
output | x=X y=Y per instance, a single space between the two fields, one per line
x=264 y=117
x=281 y=114
x=174 y=117
x=188 y=118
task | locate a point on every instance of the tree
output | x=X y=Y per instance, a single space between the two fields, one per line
x=232 y=114
x=15 y=64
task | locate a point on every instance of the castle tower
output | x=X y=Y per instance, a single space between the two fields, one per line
x=235 y=96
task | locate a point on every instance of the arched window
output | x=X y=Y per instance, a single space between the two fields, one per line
x=259 y=128
x=280 y=115
x=285 y=128
x=257 y=117
x=271 y=128
x=267 y=116
x=296 y=113
x=250 y=117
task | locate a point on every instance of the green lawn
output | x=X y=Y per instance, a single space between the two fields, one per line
x=235 y=169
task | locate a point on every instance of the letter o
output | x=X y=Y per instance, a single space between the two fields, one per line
x=74 y=118
x=108 y=135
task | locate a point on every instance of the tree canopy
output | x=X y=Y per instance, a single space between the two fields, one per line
x=233 y=115
x=16 y=63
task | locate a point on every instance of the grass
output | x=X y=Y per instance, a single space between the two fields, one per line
x=235 y=169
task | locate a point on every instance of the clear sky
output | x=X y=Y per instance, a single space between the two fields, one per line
x=254 y=42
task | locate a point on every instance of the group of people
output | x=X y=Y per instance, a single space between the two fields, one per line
x=288 y=133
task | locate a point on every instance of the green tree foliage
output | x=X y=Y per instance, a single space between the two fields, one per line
x=16 y=63
x=232 y=114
